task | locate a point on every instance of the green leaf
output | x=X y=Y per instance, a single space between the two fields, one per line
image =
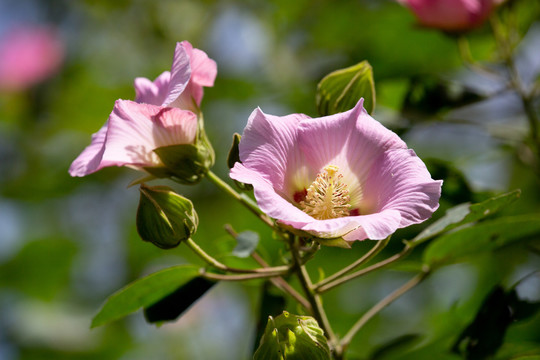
x=341 y=89
x=465 y=213
x=144 y=292
x=485 y=334
x=483 y=237
x=247 y=242
x=173 y=305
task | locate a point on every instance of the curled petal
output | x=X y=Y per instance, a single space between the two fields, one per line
x=180 y=74
x=269 y=146
x=152 y=93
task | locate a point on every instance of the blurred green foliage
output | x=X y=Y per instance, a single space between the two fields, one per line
x=66 y=243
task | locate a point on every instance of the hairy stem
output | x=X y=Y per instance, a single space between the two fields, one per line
x=314 y=299
x=368 y=256
x=242 y=277
x=280 y=270
x=381 y=305
x=406 y=250
x=244 y=200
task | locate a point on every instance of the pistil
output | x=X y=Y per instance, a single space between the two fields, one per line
x=327 y=197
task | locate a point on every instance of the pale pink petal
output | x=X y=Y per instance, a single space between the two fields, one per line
x=134 y=130
x=91 y=156
x=180 y=74
x=269 y=146
x=203 y=73
x=267 y=198
x=402 y=182
x=152 y=93
x=375 y=226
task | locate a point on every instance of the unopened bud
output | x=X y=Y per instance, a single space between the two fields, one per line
x=292 y=337
x=165 y=218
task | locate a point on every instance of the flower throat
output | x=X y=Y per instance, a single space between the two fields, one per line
x=327 y=197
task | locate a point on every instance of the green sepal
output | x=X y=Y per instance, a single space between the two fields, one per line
x=292 y=337
x=234 y=152
x=165 y=218
x=341 y=89
x=335 y=242
x=184 y=163
x=233 y=158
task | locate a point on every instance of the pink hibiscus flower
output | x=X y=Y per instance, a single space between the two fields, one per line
x=451 y=15
x=157 y=118
x=343 y=175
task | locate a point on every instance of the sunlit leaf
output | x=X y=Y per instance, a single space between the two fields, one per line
x=173 y=305
x=483 y=237
x=341 y=89
x=144 y=292
x=466 y=213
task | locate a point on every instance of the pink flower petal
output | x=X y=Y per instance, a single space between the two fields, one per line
x=132 y=132
x=268 y=147
x=180 y=74
x=91 y=156
x=152 y=93
x=403 y=183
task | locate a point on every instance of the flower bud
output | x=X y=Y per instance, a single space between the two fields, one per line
x=185 y=163
x=165 y=218
x=292 y=337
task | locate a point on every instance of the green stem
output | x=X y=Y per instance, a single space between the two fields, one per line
x=280 y=270
x=381 y=305
x=504 y=46
x=368 y=256
x=314 y=299
x=278 y=282
x=406 y=250
x=243 y=277
x=244 y=200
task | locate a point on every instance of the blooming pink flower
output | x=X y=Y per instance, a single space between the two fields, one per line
x=343 y=175
x=162 y=115
x=29 y=55
x=451 y=15
x=130 y=135
x=182 y=87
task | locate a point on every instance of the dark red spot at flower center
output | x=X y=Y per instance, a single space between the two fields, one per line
x=300 y=196
x=354 y=212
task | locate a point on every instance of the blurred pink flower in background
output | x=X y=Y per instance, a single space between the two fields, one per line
x=451 y=15
x=29 y=55
x=343 y=175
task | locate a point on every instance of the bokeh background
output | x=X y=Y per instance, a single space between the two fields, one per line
x=67 y=243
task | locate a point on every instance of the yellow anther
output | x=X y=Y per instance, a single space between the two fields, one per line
x=327 y=197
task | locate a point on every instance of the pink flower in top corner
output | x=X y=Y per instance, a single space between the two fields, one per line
x=182 y=87
x=28 y=56
x=130 y=135
x=451 y=15
x=343 y=175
